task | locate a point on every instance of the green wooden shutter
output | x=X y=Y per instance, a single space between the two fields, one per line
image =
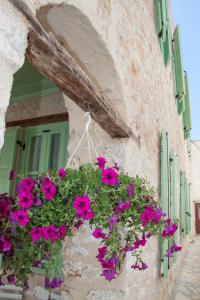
x=164 y=196
x=182 y=204
x=187 y=207
x=163 y=29
x=167 y=46
x=173 y=193
x=187 y=114
x=179 y=72
x=189 y=146
x=7 y=158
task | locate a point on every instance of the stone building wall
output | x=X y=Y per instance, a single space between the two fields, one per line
x=195 y=178
x=116 y=44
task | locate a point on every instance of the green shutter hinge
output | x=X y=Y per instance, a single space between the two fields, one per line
x=21 y=144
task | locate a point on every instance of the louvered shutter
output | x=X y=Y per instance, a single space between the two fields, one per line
x=163 y=29
x=187 y=114
x=7 y=158
x=179 y=72
x=164 y=196
x=182 y=203
x=187 y=207
x=173 y=194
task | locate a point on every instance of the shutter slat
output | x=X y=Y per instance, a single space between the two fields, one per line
x=164 y=196
x=182 y=192
x=187 y=113
x=174 y=198
x=164 y=19
x=179 y=72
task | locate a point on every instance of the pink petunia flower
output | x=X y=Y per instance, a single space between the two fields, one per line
x=109 y=274
x=48 y=189
x=101 y=161
x=130 y=190
x=170 y=229
x=48 y=232
x=109 y=177
x=11 y=279
x=139 y=243
x=97 y=233
x=62 y=173
x=85 y=215
x=5 y=244
x=62 y=231
x=174 y=248
x=4 y=208
x=122 y=206
x=102 y=253
x=27 y=184
x=25 y=199
x=114 y=219
x=20 y=217
x=151 y=215
x=36 y=234
x=82 y=204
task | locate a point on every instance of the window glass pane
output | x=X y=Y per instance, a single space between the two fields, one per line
x=35 y=151
x=54 y=151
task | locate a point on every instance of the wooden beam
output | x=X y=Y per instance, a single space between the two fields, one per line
x=52 y=60
x=61 y=117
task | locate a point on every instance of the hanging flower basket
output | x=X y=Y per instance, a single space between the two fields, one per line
x=120 y=210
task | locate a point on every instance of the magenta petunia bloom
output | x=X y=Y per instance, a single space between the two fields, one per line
x=48 y=189
x=78 y=224
x=151 y=215
x=53 y=284
x=26 y=184
x=122 y=206
x=139 y=243
x=130 y=190
x=62 y=173
x=170 y=229
x=128 y=249
x=101 y=161
x=85 y=215
x=109 y=177
x=82 y=204
x=4 y=208
x=25 y=199
x=109 y=263
x=97 y=233
x=11 y=279
x=148 y=235
x=49 y=232
x=5 y=244
x=102 y=253
x=109 y=274
x=38 y=203
x=114 y=219
x=20 y=217
x=174 y=248
x=36 y=234
x=62 y=231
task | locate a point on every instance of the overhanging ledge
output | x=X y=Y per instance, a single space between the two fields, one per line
x=55 y=62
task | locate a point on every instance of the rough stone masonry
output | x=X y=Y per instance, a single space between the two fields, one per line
x=115 y=42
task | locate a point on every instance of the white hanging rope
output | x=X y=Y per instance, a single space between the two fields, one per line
x=89 y=141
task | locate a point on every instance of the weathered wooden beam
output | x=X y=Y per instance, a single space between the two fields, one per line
x=52 y=60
